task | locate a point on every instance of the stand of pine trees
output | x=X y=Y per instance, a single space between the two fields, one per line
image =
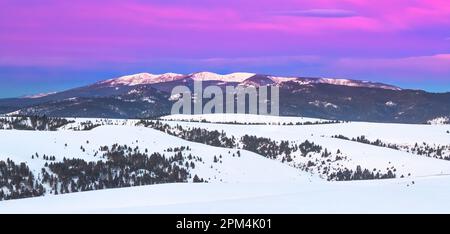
x=360 y=174
x=272 y=149
x=39 y=123
x=438 y=152
x=17 y=181
x=122 y=166
x=253 y=123
x=364 y=140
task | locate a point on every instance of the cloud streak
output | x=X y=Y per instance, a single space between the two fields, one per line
x=320 y=13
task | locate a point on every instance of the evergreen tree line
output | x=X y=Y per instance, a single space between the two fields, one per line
x=35 y=122
x=424 y=149
x=268 y=123
x=272 y=149
x=360 y=174
x=86 y=126
x=17 y=181
x=364 y=140
x=438 y=152
x=123 y=167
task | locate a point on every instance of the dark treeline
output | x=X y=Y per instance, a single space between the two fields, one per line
x=39 y=123
x=364 y=140
x=268 y=123
x=437 y=152
x=272 y=149
x=122 y=167
x=17 y=181
x=87 y=125
x=423 y=149
x=360 y=174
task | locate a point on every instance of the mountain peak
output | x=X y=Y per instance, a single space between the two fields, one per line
x=356 y=83
x=238 y=77
x=232 y=77
x=143 y=78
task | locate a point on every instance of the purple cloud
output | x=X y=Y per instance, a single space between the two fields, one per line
x=320 y=13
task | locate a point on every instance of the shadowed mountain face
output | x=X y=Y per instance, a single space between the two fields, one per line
x=147 y=95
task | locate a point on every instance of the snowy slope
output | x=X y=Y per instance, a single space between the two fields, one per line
x=364 y=155
x=249 y=167
x=426 y=195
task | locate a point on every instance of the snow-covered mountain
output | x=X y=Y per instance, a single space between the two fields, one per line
x=238 y=77
x=145 y=95
x=232 y=77
x=142 y=79
x=354 y=83
x=147 y=78
x=39 y=95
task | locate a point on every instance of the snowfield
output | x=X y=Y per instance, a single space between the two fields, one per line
x=426 y=195
x=240 y=181
x=396 y=133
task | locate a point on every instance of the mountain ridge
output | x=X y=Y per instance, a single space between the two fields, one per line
x=146 y=95
x=149 y=78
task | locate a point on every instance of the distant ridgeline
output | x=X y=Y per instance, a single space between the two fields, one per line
x=147 y=95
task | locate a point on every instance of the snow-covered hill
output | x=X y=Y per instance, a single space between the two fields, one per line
x=241 y=181
x=248 y=167
x=353 y=153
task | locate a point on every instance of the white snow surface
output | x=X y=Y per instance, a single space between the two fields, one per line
x=250 y=183
x=143 y=78
x=355 y=83
x=425 y=195
x=232 y=77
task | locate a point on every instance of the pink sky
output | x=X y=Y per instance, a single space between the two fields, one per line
x=405 y=42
